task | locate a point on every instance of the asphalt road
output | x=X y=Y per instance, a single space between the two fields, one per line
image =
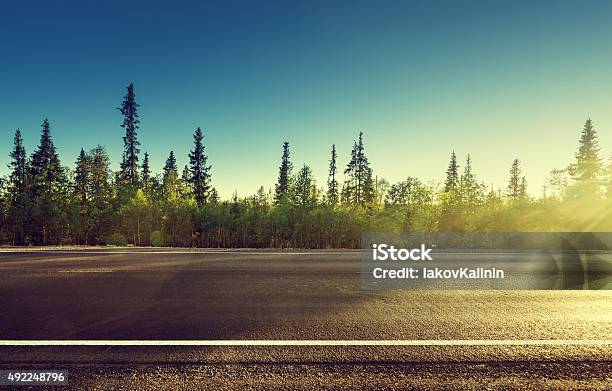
x=288 y=295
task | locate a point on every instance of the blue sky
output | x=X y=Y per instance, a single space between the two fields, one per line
x=498 y=80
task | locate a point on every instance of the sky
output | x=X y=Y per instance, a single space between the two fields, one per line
x=498 y=80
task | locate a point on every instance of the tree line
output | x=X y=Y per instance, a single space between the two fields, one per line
x=43 y=202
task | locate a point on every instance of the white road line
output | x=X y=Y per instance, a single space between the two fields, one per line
x=102 y=252
x=418 y=342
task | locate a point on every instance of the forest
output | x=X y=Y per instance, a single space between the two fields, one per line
x=45 y=202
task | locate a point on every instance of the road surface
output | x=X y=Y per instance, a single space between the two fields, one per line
x=506 y=338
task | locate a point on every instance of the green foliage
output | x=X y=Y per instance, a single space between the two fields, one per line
x=587 y=170
x=42 y=202
x=115 y=239
x=157 y=238
x=131 y=123
x=48 y=192
x=146 y=171
x=304 y=189
x=199 y=173
x=17 y=201
x=452 y=175
x=332 y=182
x=170 y=166
x=283 y=185
x=358 y=188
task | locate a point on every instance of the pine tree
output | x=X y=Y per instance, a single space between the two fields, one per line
x=305 y=195
x=359 y=186
x=365 y=184
x=587 y=169
x=284 y=174
x=332 y=183
x=186 y=175
x=170 y=166
x=146 y=171
x=214 y=196
x=200 y=171
x=261 y=197
x=82 y=174
x=48 y=181
x=101 y=193
x=349 y=189
x=82 y=222
x=100 y=178
x=452 y=174
x=131 y=124
x=514 y=183
x=468 y=185
x=523 y=188
x=18 y=202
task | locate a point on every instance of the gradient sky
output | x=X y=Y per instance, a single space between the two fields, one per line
x=496 y=79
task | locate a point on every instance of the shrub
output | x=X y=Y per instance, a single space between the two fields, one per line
x=115 y=239
x=157 y=240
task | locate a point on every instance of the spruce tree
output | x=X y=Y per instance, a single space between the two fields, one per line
x=199 y=170
x=305 y=195
x=514 y=183
x=100 y=178
x=523 y=188
x=170 y=166
x=284 y=174
x=146 y=171
x=359 y=186
x=48 y=181
x=349 y=189
x=18 y=197
x=214 y=196
x=82 y=222
x=586 y=171
x=82 y=174
x=131 y=124
x=101 y=193
x=332 y=183
x=365 y=184
x=471 y=191
x=452 y=174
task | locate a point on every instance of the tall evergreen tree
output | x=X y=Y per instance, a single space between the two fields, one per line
x=588 y=167
x=146 y=171
x=452 y=174
x=349 y=188
x=170 y=166
x=471 y=191
x=82 y=174
x=18 y=197
x=305 y=192
x=100 y=178
x=82 y=222
x=48 y=184
x=284 y=175
x=359 y=187
x=332 y=183
x=186 y=175
x=523 y=188
x=214 y=196
x=200 y=171
x=131 y=124
x=101 y=193
x=514 y=183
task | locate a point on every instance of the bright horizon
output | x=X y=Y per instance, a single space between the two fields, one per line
x=419 y=81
